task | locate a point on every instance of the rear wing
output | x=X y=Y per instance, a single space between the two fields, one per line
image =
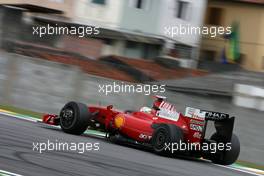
x=215 y=116
x=223 y=122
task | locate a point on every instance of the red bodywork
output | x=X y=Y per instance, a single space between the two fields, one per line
x=138 y=125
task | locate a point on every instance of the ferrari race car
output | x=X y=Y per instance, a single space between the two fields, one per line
x=160 y=127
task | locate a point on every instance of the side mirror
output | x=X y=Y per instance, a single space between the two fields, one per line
x=109 y=107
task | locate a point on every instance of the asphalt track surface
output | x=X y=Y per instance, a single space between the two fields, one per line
x=17 y=156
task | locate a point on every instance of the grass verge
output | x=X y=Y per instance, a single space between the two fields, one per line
x=249 y=164
x=21 y=111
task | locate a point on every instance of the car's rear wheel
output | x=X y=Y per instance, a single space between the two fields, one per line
x=74 y=118
x=226 y=157
x=164 y=137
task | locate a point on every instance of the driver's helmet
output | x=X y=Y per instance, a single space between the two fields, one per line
x=145 y=109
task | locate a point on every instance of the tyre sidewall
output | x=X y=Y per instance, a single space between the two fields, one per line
x=173 y=135
x=226 y=157
x=81 y=118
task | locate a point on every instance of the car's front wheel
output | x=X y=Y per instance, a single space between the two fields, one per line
x=74 y=118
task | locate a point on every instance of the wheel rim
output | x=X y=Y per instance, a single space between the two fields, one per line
x=160 y=140
x=67 y=117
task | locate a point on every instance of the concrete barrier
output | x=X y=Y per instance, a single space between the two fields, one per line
x=89 y=93
x=3 y=76
x=45 y=86
x=249 y=96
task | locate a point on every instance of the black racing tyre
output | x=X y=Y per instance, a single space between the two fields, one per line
x=164 y=135
x=74 y=118
x=226 y=157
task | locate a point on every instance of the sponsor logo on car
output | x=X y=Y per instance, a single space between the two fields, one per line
x=197 y=122
x=216 y=115
x=168 y=111
x=144 y=136
x=119 y=120
x=194 y=113
x=196 y=127
x=197 y=135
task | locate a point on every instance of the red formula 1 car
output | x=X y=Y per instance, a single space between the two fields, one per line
x=160 y=127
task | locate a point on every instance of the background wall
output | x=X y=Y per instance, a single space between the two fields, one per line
x=144 y=20
x=107 y=15
x=193 y=18
x=61 y=5
x=45 y=86
x=251 y=35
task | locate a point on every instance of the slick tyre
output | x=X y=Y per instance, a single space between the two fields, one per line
x=226 y=157
x=164 y=136
x=74 y=118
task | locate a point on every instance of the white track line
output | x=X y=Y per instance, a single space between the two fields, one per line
x=5 y=173
x=27 y=118
x=36 y=120
x=241 y=170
